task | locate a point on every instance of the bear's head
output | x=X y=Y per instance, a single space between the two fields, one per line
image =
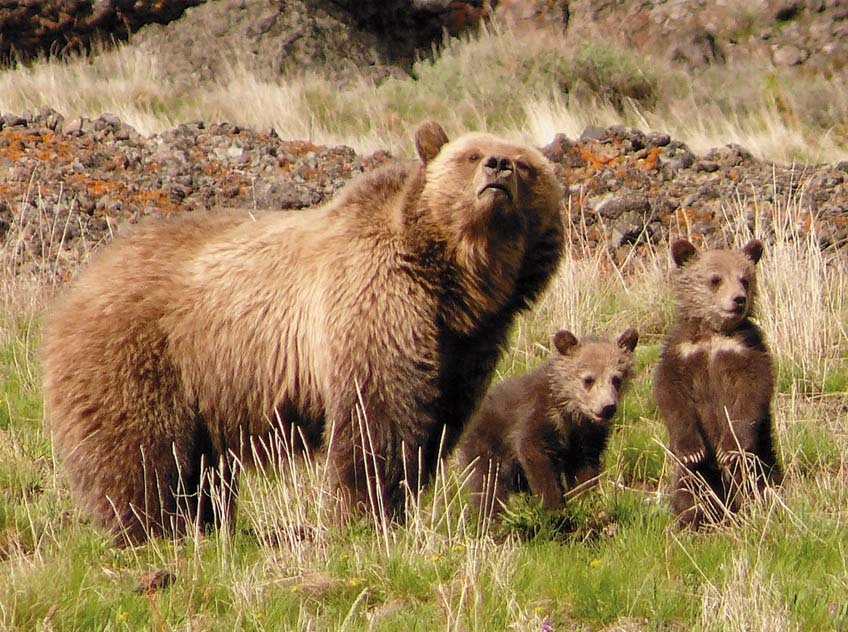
x=479 y=185
x=717 y=287
x=588 y=375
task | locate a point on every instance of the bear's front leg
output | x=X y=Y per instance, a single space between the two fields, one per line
x=379 y=457
x=742 y=417
x=744 y=464
x=585 y=479
x=699 y=495
x=490 y=484
x=583 y=467
x=542 y=477
x=684 y=436
x=745 y=384
x=674 y=400
x=696 y=498
x=688 y=497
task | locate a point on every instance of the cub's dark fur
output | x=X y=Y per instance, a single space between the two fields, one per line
x=714 y=385
x=532 y=430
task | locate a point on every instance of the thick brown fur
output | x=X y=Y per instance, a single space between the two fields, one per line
x=714 y=385
x=534 y=429
x=191 y=340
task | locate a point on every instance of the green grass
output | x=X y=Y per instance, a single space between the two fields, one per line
x=608 y=560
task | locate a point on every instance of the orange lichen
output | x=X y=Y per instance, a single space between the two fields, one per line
x=595 y=161
x=650 y=161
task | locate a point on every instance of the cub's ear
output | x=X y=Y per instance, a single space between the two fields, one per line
x=564 y=341
x=681 y=251
x=753 y=250
x=628 y=339
x=429 y=138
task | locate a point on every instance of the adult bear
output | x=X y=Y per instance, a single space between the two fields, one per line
x=370 y=325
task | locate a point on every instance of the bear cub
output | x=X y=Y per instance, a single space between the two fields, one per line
x=714 y=385
x=534 y=429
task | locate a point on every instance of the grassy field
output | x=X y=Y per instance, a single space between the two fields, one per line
x=611 y=560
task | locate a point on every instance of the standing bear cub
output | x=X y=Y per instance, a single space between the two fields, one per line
x=369 y=326
x=533 y=429
x=714 y=385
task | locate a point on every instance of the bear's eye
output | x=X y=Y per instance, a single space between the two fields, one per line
x=588 y=381
x=715 y=280
x=474 y=157
x=616 y=381
x=745 y=282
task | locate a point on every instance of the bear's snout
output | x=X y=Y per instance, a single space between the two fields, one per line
x=498 y=174
x=498 y=165
x=735 y=304
x=608 y=411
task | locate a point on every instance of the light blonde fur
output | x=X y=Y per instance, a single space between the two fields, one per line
x=189 y=339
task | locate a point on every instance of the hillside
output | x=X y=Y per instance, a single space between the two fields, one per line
x=279 y=37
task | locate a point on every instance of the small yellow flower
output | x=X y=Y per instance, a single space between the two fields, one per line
x=596 y=563
x=459 y=548
x=539 y=611
x=260 y=616
x=435 y=557
x=355 y=582
x=122 y=616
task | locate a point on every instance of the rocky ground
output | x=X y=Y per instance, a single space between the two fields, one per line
x=68 y=186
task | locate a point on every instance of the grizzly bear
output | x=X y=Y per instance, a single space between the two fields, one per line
x=369 y=326
x=533 y=430
x=714 y=385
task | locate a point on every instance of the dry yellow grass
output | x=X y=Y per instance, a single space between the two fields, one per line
x=518 y=96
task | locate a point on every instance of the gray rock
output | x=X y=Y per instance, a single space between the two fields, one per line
x=658 y=139
x=13 y=120
x=627 y=229
x=593 y=132
x=789 y=55
x=629 y=202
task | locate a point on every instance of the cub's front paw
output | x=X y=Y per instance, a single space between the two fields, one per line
x=731 y=458
x=689 y=451
x=692 y=458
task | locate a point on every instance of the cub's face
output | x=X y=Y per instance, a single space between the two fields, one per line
x=590 y=375
x=480 y=183
x=716 y=286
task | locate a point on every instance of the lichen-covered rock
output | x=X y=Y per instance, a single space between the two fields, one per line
x=68 y=185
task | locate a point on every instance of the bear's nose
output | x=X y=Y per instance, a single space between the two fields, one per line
x=608 y=411
x=498 y=164
x=739 y=299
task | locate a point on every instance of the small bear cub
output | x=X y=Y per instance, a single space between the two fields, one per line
x=534 y=429
x=714 y=385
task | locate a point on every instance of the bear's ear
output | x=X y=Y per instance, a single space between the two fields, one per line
x=628 y=339
x=682 y=251
x=753 y=250
x=564 y=341
x=429 y=139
